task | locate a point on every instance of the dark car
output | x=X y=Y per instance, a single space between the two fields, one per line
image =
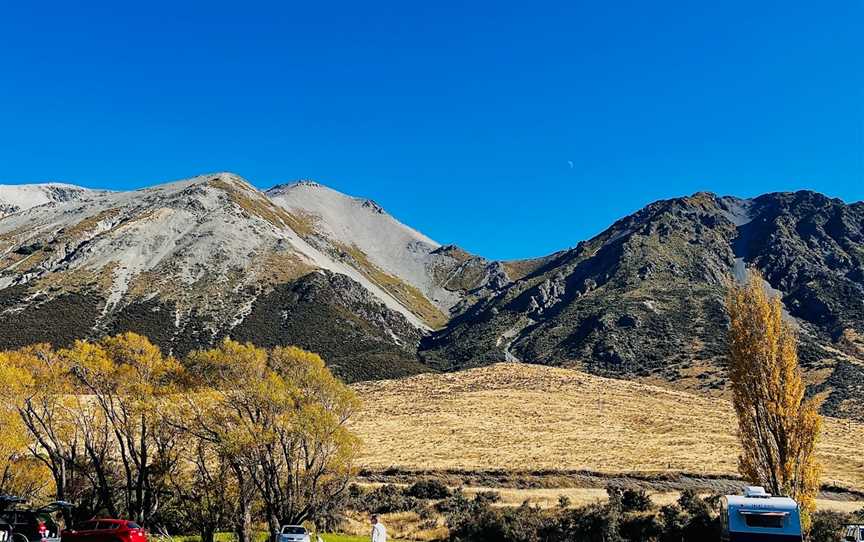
x=105 y=530
x=21 y=523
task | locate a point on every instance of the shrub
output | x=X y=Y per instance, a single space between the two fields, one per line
x=592 y=523
x=487 y=497
x=456 y=503
x=630 y=499
x=486 y=524
x=428 y=489
x=355 y=492
x=456 y=507
x=523 y=523
x=635 y=500
x=693 y=504
x=827 y=525
x=692 y=519
x=385 y=499
x=674 y=522
x=641 y=527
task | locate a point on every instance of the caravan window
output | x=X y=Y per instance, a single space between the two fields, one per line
x=769 y=521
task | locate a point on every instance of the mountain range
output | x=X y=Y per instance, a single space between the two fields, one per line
x=189 y=262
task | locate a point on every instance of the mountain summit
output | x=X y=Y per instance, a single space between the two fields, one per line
x=189 y=262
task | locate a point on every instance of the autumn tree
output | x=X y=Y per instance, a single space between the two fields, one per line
x=41 y=392
x=311 y=451
x=123 y=429
x=129 y=378
x=778 y=427
x=20 y=473
x=202 y=487
x=203 y=415
x=282 y=417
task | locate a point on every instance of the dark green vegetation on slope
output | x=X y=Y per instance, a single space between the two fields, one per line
x=331 y=314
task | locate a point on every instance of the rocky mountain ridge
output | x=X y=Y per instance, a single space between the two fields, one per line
x=195 y=260
x=191 y=261
x=644 y=299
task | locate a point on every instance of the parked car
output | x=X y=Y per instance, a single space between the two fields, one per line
x=854 y=533
x=105 y=530
x=22 y=523
x=294 y=533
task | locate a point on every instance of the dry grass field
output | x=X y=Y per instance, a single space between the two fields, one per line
x=529 y=418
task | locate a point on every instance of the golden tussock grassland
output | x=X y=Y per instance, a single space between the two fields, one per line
x=530 y=417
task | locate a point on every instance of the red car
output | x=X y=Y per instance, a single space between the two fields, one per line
x=105 y=530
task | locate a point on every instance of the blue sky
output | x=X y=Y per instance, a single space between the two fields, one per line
x=462 y=119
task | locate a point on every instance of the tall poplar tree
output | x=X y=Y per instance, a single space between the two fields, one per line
x=778 y=427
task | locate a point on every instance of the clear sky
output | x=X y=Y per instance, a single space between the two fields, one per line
x=511 y=129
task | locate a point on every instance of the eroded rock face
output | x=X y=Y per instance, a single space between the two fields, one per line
x=810 y=248
x=549 y=293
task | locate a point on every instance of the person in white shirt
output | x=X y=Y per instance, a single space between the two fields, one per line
x=379 y=533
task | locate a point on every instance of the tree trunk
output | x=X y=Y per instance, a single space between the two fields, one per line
x=60 y=490
x=275 y=527
x=243 y=517
x=243 y=523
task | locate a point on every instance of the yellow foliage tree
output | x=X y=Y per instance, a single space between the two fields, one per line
x=280 y=415
x=131 y=381
x=120 y=426
x=42 y=395
x=778 y=427
x=202 y=487
x=20 y=473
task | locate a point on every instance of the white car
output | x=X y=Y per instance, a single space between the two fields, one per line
x=294 y=533
x=854 y=533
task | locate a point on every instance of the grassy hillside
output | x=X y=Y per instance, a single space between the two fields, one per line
x=531 y=418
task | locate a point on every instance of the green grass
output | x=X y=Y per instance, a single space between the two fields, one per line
x=261 y=537
x=220 y=537
x=348 y=538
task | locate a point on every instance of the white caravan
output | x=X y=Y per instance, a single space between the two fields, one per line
x=757 y=516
